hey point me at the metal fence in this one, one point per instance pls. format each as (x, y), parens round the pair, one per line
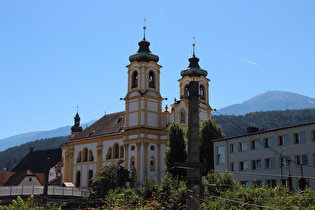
(37, 190)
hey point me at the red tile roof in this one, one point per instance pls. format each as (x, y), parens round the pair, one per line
(107, 125)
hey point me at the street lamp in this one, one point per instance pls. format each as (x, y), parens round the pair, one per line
(287, 147)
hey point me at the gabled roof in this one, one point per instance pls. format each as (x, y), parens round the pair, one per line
(107, 125)
(18, 177)
(36, 160)
(4, 176)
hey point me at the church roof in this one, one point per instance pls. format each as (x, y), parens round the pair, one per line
(107, 125)
(36, 160)
(144, 53)
(193, 69)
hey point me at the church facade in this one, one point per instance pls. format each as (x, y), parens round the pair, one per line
(137, 135)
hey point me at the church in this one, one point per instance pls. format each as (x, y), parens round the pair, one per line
(137, 135)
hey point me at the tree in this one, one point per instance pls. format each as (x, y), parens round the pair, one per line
(208, 132)
(110, 176)
(176, 151)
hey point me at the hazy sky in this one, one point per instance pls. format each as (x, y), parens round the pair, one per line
(57, 54)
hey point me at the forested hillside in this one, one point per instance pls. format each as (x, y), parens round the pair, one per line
(231, 125)
(12, 156)
(235, 125)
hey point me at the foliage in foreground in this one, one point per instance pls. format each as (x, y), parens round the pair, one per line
(221, 191)
(31, 203)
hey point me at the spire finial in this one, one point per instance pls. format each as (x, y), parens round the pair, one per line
(194, 46)
(144, 27)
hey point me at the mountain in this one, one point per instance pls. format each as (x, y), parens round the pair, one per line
(36, 135)
(270, 101)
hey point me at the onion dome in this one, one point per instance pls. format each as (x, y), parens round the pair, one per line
(193, 69)
(144, 53)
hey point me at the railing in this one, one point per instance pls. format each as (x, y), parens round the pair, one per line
(37, 190)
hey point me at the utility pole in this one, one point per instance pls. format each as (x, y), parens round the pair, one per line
(193, 173)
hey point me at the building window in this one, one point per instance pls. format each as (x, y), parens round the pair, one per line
(285, 161)
(29, 179)
(257, 183)
(116, 151)
(221, 155)
(79, 157)
(245, 183)
(202, 92)
(132, 163)
(85, 154)
(256, 164)
(313, 159)
(243, 166)
(301, 160)
(91, 157)
(269, 142)
(232, 148)
(132, 148)
(284, 140)
(271, 182)
(152, 148)
(186, 90)
(121, 151)
(182, 117)
(78, 179)
(152, 163)
(243, 146)
(270, 163)
(256, 144)
(90, 176)
(151, 80)
(313, 135)
(233, 167)
(109, 153)
(299, 138)
(134, 79)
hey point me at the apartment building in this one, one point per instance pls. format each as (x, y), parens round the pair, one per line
(268, 156)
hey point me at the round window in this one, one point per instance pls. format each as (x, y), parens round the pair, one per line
(132, 148)
(152, 148)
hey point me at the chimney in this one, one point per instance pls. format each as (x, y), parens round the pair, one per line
(31, 148)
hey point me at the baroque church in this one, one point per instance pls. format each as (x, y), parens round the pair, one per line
(137, 135)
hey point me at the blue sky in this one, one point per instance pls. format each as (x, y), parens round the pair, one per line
(57, 54)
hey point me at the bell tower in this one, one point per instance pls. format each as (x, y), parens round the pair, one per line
(76, 128)
(194, 73)
(143, 100)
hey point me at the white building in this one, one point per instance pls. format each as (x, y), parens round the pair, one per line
(258, 155)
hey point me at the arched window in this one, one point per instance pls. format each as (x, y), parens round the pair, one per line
(186, 90)
(116, 150)
(90, 176)
(78, 179)
(91, 157)
(79, 157)
(85, 154)
(109, 153)
(151, 80)
(152, 163)
(202, 92)
(182, 116)
(121, 151)
(134, 79)
(132, 163)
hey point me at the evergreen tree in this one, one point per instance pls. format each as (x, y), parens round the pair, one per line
(176, 151)
(110, 177)
(208, 132)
